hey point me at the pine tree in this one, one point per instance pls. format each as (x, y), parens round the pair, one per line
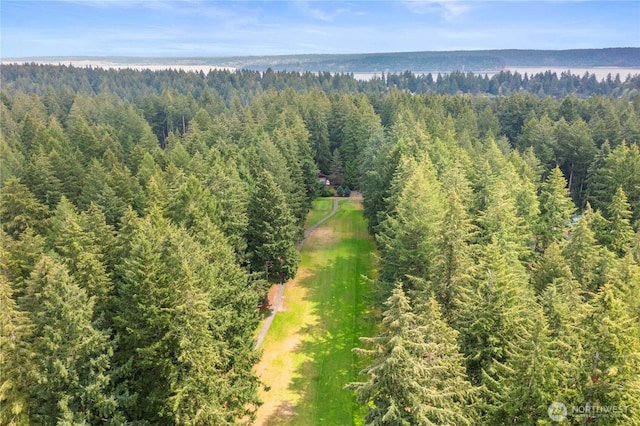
(575, 152)
(500, 219)
(551, 266)
(627, 283)
(42, 181)
(620, 168)
(271, 235)
(565, 311)
(417, 375)
(336, 168)
(19, 209)
(16, 366)
(520, 389)
(81, 254)
(620, 232)
(453, 254)
(20, 257)
(176, 325)
(407, 237)
(491, 309)
(612, 360)
(72, 357)
(556, 209)
(317, 109)
(589, 262)
(232, 194)
(190, 202)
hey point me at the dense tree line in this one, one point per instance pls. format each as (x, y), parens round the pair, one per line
(143, 215)
(222, 86)
(132, 270)
(509, 264)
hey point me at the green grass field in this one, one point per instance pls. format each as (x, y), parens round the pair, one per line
(320, 208)
(307, 356)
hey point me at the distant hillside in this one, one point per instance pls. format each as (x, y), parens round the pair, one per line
(476, 61)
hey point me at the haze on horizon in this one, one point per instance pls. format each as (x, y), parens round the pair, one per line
(225, 28)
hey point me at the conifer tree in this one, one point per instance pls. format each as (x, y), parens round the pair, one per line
(177, 333)
(19, 209)
(521, 387)
(271, 235)
(453, 254)
(416, 376)
(627, 283)
(317, 109)
(16, 367)
(500, 219)
(232, 195)
(620, 168)
(72, 358)
(491, 309)
(556, 209)
(565, 311)
(101, 234)
(407, 237)
(620, 232)
(336, 168)
(42, 181)
(82, 255)
(551, 266)
(589, 262)
(612, 360)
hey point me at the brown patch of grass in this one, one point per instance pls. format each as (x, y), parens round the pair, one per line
(323, 236)
(358, 199)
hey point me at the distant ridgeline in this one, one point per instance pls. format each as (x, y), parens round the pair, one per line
(226, 83)
(473, 60)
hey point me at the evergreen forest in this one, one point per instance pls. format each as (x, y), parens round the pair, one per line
(144, 215)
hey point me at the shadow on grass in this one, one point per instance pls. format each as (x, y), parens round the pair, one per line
(338, 293)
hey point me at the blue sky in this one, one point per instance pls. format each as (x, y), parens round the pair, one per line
(214, 28)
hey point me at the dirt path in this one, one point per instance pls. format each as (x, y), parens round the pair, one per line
(277, 302)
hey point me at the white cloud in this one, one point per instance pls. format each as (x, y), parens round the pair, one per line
(305, 7)
(448, 9)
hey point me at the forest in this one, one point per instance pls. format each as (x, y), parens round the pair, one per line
(144, 215)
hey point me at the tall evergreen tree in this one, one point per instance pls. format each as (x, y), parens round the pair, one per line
(556, 209)
(620, 232)
(72, 358)
(453, 254)
(176, 331)
(520, 390)
(407, 237)
(336, 168)
(19, 209)
(491, 309)
(612, 360)
(551, 266)
(589, 262)
(16, 356)
(416, 376)
(271, 235)
(565, 311)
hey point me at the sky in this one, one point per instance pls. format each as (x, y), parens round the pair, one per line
(225, 28)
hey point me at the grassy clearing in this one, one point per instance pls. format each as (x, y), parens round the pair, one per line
(307, 356)
(320, 208)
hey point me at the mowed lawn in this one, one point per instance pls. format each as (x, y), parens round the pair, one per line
(320, 208)
(307, 356)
